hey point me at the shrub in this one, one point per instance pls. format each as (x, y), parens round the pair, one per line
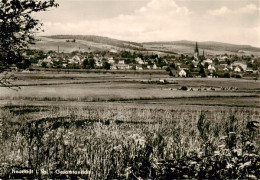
(184, 88)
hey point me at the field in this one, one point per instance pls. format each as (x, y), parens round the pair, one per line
(93, 43)
(129, 126)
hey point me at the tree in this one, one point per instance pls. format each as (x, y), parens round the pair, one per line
(127, 61)
(228, 62)
(170, 74)
(106, 66)
(201, 71)
(44, 65)
(216, 61)
(92, 63)
(191, 67)
(226, 75)
(85, 63)
(206, 65)
(24, 64)
(17, 29)
(172, 65)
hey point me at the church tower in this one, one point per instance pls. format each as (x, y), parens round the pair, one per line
(196, 52)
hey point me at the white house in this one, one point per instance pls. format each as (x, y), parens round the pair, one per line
(223, 58)
(182, 73)
(209, 61)
(139, 67)
(75, 60)
(121, 62)
(139, 60)
(111, 60)
(226, 69)
(99, 63)
(120, 67)
(211, 68)
(47, 60)
(242, 64)
(113, 51)
(113, 67)
(155, 66)
(237, 69)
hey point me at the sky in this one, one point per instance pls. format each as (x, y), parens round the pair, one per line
(230, 21)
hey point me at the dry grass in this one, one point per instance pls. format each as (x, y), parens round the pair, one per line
(125, 142)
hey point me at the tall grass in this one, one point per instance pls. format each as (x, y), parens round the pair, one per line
(131, 143)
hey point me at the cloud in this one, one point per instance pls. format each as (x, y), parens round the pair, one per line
(217, 12)
(157, 19)
(248, 9)
(166, 20)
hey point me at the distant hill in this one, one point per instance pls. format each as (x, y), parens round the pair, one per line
(98, 39)
(65, 43)
(209, 46)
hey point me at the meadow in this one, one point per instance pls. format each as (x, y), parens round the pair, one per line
(111, 126)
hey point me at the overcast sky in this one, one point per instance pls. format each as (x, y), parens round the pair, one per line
(231, 21)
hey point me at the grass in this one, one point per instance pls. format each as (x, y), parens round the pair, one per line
(116, 142)
(123, 129)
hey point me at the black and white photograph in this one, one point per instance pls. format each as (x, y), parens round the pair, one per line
(129, 89)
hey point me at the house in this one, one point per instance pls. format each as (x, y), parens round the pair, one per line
(226, 69)
(13, 68)
(242, 64)
(155, 66)
(223, 58)
(178, 65)
(113, 51)
(120, 67)
(237, 69)
(182, 73)
(113, 67)
(139, 67)
(211, 68)
(121, 62)
(195, 63)
(164, 67)
(139, 60)
(47, 60)
(111, 60)
(209, 61)
(249, 70)
(75, 60)
(99, 63)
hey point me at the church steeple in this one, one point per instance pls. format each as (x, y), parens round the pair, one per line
(196, 52)
(197, 48)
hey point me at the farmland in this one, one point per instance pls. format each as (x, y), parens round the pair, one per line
(90, 43)
(129, 126)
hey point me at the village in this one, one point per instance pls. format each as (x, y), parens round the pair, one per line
(177, 65)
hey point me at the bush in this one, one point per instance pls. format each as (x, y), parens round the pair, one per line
(238, 76)
(226, 75)
(184, 88)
